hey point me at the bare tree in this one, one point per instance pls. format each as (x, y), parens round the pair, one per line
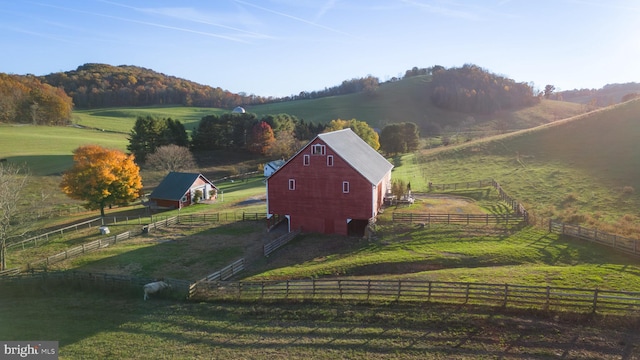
(171, 158)
(13, 180)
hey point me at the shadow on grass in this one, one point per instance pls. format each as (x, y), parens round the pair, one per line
(90, 324)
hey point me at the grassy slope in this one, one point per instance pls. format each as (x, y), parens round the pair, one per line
(123, 119)
(585, 169)
(48, 150)
(405, 100)
(408, 100)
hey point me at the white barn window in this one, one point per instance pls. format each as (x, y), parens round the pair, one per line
(306, 160)
(317, 149)
(292, 184)
(345, 187)
(330, 160)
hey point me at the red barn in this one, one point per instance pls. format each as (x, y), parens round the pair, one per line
(178, 190)
(334, 185)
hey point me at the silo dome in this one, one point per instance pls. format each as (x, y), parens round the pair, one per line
(238, 110)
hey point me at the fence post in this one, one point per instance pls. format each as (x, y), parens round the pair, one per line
(595, 300)
(466, 297)
(548, 297)
(287, 290)
(368, 288)
(262, 290)
(340, 288)
(399, 289)
(313, 285)
(506, 295)
(429, 293)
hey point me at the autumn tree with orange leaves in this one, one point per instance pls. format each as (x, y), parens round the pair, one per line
(102, 177)
(262, 138)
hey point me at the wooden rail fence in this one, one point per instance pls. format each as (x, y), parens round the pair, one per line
(279, 242)
(502, 295)
(617, 242)
(223, 274)
(464, 219)
(97, 244)
(43, 238)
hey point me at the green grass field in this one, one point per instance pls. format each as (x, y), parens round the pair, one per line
(108, 325)
(584, 170)
(49, 150)
(408, 101)
(123, 119)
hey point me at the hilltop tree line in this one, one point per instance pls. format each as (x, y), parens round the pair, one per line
(368, 84)
(472, 89)
(26, 100)
(101, 85)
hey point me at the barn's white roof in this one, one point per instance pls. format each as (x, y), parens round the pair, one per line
(360, 155)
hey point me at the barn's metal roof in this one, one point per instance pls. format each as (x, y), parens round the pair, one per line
(360, 155)
(175, 185)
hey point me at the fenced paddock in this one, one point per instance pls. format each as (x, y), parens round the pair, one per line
(497, 295)
(97, 244)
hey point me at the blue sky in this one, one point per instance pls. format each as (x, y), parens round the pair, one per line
(283, 47)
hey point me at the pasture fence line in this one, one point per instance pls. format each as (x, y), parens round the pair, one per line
(221, 217)
(427, 219)
(38, 240)
(627, 245)
(620, 243)
(97, 245)
(516, 206)
(223, 274)
(279, 242)
(496, 295)
(43, 238)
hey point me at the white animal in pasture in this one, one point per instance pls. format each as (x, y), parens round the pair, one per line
(154, 287)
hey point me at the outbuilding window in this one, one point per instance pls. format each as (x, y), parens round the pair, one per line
(306, 160)
(330, 160)
(292, 184)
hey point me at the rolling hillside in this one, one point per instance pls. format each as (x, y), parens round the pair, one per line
(400, 101)
(584, 169)
(409, 100)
